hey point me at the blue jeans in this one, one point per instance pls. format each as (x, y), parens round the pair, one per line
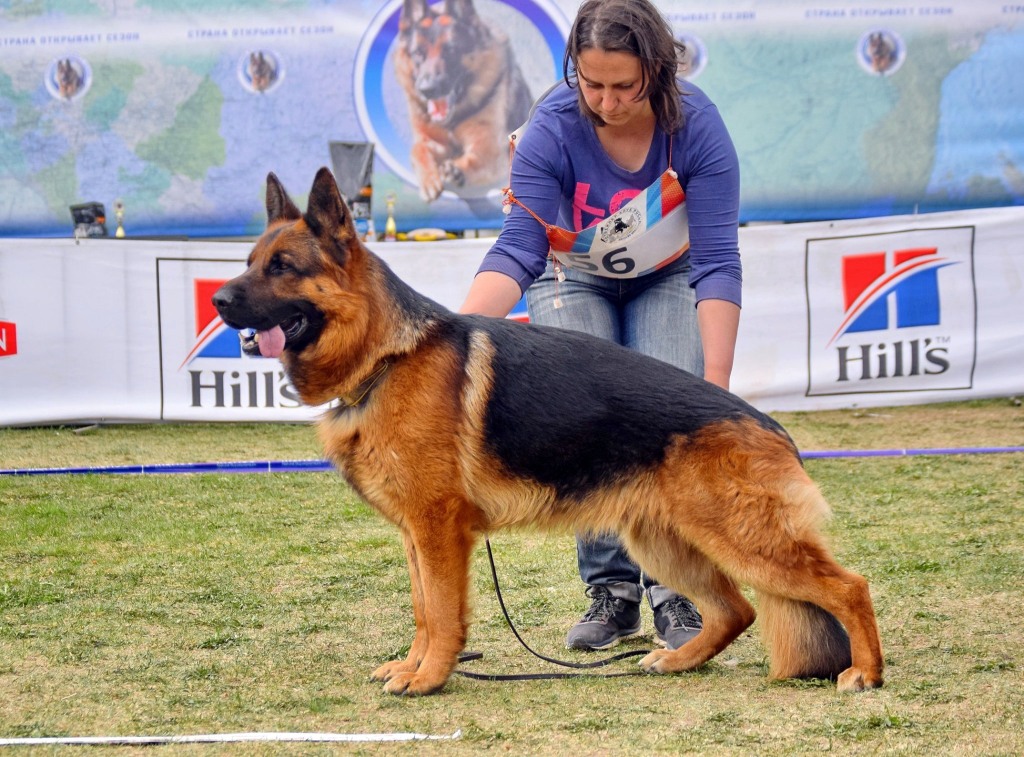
(655, 314)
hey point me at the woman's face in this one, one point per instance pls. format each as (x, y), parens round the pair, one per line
(610, 82)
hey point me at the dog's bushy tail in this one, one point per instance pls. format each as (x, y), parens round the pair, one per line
(803, 640)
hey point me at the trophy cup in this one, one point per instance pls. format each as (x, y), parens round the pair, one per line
(390, 227)
(119, 214)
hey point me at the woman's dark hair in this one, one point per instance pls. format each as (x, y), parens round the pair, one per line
(638, 28)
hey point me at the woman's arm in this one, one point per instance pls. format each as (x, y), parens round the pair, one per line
(718, 321)
(492, 293)
(712, 200)
(520, 251)
(712, 204)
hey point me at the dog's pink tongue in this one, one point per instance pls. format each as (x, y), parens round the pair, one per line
(271, 342)
(438, 109)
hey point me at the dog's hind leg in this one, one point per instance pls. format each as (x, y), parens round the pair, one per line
(776, 548)
(821, 581)
(442, 542)
(724, 610)
(419, 643)
(763, 529)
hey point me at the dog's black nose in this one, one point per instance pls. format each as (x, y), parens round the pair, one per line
(224, 298)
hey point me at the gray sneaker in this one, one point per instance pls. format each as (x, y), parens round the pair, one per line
(676, 621)
(609, 618)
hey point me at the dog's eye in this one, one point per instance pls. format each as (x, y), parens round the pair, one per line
(278, 265)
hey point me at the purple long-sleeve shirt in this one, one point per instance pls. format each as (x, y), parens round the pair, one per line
(561, 172)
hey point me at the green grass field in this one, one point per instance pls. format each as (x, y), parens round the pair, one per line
(220, 603)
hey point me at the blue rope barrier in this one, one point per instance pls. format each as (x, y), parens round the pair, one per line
(318, 466)
(825, 454)
(256, 466)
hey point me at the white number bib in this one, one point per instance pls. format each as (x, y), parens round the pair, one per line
(645, 234)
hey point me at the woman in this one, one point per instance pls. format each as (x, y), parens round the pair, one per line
(620, 125)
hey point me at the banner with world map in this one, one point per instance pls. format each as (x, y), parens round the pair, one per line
(177, 109)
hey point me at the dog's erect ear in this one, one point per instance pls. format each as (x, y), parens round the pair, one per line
(461, 9)
(279, 205)
(326, 213)
(413, 11)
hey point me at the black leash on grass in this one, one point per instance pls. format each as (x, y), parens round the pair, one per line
(468, 656)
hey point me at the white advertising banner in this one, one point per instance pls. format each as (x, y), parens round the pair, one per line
(882, 311)
(119, 330)
(871, 312)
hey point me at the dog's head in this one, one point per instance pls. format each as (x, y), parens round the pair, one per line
(302, 284)
(437, 42)
(261, 72)
(68, 78)
(881, 51)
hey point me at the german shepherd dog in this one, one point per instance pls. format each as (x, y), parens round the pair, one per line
(69, 79)
(881, 51)
(262, 72)
(465, 93)
(452, 426)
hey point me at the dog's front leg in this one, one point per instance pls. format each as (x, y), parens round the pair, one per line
(482, 156)
(419, 643)
(428, 155)
(441, 544)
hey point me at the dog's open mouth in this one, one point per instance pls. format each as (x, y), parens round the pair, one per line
(271, 342)
(438, 109)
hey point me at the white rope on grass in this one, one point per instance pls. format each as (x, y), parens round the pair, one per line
(221, 738)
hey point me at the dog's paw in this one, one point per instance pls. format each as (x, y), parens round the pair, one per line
(429, 170)
(389, 670)
(853, 680)
(652, 663)
(431, 187)
(664, 661)
(453, 175)
(412, 685)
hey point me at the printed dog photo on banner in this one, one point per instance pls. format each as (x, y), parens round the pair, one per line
(443, 85)
(68, 78)
(260, 71)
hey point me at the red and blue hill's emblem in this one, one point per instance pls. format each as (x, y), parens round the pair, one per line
(213, 337)
(883, 317)
(868, 283)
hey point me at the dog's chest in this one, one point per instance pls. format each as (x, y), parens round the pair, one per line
(371, 459)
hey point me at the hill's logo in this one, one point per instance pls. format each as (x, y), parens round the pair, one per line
(912, 282)
(891, 312)
(220, 375)
(204, 373)
(213, 337)
(8, 339)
